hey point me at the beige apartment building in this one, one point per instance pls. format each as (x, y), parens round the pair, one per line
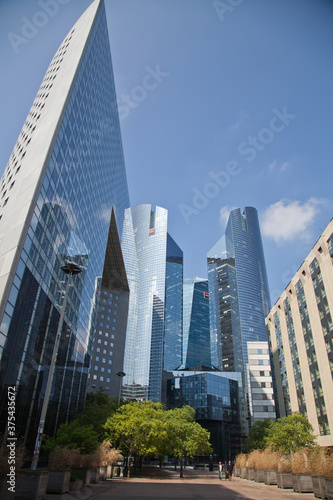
(300, 333)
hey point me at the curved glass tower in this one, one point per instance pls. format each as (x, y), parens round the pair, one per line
(154, 332)
(239, 294)
(65, 174)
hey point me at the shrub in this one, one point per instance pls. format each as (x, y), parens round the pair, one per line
(300, 462)
(321, 462)
(63, 457)
(269, 459)
(241, 460)
(284, 464)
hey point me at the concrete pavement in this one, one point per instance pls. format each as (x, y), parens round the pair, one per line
(195, 485)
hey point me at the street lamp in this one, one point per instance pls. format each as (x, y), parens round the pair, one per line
(70, 269)
(120, 375)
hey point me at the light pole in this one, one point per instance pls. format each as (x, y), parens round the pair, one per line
(70, 269)
(120, 375)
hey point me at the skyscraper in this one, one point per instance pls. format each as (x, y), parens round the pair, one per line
(238, 290)
(196, 329)
(154, 334)
(65, 174)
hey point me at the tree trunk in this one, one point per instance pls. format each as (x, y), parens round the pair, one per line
(181, 467)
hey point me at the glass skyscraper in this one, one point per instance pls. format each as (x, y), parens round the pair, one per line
(65, 174)
(196, 328)
(238, 290)
(154, 265)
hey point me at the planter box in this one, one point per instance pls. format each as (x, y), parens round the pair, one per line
(243, 473)
(251, 474)
(102, 473)
(94, 476)
(237, 471)
(329, 487)
(319, 487)
(260, 476)
(58, 481)
(302, 483)
(284, 480)
(5, 494)
(75, 485)
(84, 474)
(108, 471)
(270, 477)
(31, 484)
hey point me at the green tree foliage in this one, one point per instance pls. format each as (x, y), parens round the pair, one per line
(145, 428)
(98, 408)
(257, 439)
(185, 436)
(86, 431)
(136, 428)
(74, 436)
(291, 433)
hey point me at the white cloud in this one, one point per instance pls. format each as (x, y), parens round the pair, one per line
(224, 215)
(276, 166)
(287, 220)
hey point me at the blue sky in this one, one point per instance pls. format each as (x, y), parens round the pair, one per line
(223, 104)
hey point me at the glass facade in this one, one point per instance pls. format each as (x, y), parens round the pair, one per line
(84, 176)
(196, 327)
(217, 399)
(157, 271)
(238, 288)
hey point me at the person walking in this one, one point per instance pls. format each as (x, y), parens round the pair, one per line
(220, 470)
(229, 470)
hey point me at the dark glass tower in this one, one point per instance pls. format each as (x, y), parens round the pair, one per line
(196, 330)
(238, 286)
(65, 174)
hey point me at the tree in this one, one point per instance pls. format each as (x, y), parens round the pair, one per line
(291, 433)
(83, 438)
(257, 438)
(185, 436)
(98, 408)
(136, 428)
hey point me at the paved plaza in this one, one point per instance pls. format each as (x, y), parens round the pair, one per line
(195, 485)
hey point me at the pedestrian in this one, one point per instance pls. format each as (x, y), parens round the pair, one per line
(229, 470)
(220, 470)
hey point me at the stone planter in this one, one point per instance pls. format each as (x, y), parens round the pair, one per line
(5, 493)
(237, 471)
(260, 476)
(58, 481)
(31, 484)
(329, 487)
(75, 485)
(319, 487)
(302, 483)
(108, 471)
(270, 477)
(284, 480)
(243, 473)
(102, 473)
(94, 476)
(251, 474)
(83, 474)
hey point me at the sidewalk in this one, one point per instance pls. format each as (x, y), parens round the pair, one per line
(165, 484)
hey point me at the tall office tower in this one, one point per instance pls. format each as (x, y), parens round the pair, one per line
(157, 274)
(63, 177)
(196, 328)
(300, 333)
(238, 290)
(111, 306)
